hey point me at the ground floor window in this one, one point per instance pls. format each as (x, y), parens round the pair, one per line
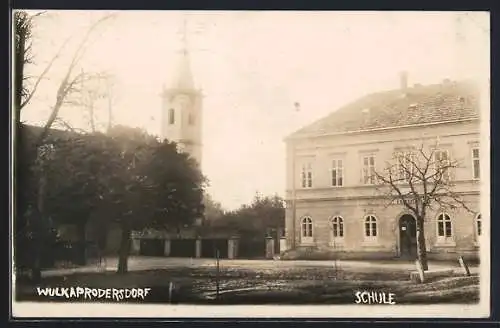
(337, 227)
(444, 228)
(370, 226)
(306, 230)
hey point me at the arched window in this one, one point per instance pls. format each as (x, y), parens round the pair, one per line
(444, 225)
(370, 226)
(337, 227)
(478, 225)
(307, 227)
(171, 116)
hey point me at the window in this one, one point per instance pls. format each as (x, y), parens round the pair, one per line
(171, 116)
(337, 227)
(337, 173)
(306, 175)
(442, 161)
(191, 119)
(307, 227)
(475, 163)
(478, 225)
(307, 230)
(369, 169)
(405, 166)
(370, 226)
(444, 226)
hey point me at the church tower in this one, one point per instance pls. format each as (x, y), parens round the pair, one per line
(181, 119)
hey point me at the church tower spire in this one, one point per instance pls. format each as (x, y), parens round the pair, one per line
(183, 77)
(182, 106)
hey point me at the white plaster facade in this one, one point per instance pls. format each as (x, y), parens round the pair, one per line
(319, 204)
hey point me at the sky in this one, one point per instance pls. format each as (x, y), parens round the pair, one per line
(253, 67)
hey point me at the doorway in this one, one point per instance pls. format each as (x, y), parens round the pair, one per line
(407, 237)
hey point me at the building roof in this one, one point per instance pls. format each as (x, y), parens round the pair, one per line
(420, 104)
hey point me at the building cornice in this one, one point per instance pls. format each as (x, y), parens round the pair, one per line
(293, 137)
(363, 197)
(375, 141)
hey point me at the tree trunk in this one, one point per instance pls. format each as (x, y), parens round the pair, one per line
(421, 248)
(38, 233)
(19, 73)
(82, 245)
(124, 247)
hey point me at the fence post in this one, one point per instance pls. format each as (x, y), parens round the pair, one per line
(420, 270)
(217, 274)
(464, 266)
(170, 291)
(269, 247)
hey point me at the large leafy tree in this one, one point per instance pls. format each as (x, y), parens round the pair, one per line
(128, 176)
(264, 215)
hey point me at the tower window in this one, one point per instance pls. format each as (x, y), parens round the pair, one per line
(171, 116)
(191, 119)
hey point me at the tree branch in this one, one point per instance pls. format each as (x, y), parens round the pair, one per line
(44, 72)
(66, 85)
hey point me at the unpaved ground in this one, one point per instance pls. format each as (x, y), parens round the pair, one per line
(152, 263)
(265, 282)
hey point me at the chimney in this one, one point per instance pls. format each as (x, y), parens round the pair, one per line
(403, 80)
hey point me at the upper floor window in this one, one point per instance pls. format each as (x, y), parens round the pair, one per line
(475, 163)
(306, 175)
(478, 225)
(337, 227)
(442, 163)
(370, 226)
(368, 169)
(405, 163)
(171, 116)
(444, 226)
(337, 173)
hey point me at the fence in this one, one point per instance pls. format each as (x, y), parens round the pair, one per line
(211, 247)
(251, 248)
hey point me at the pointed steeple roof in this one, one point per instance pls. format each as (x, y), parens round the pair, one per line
(183, 76)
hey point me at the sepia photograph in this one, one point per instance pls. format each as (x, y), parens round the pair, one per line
(250, 164)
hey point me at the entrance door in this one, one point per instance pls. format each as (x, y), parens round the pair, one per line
(407, 237)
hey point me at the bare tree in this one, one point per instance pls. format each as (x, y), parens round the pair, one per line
(23, 25)
(68, 86)
(421, 179)
(23, 55)
(71, 82)
(93, 89)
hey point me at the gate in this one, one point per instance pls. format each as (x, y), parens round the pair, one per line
(208, 247)
(183, 248)
(152, 247)
(252, 248)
